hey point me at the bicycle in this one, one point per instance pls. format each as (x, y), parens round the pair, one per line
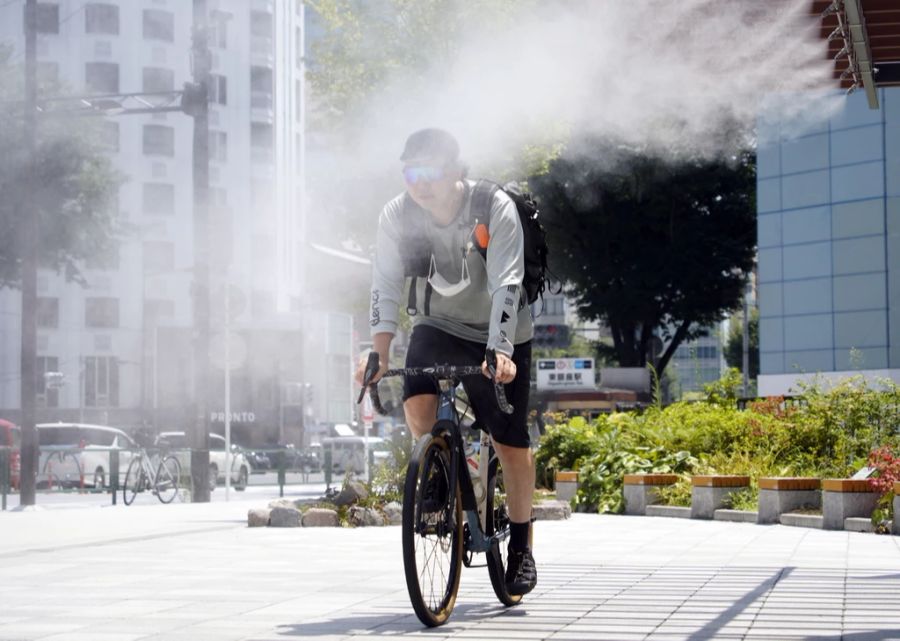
(163, 480)
(436, 543)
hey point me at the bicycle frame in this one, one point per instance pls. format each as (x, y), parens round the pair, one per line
(475, 512)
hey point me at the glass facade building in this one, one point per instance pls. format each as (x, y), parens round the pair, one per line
(828, 205)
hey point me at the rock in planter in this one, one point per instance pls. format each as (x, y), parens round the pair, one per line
(352, 492)
(258, 517)
(551, 511)
(393, 513)
(365, 517)
(284, 517)
(320, 517)
(286, 503)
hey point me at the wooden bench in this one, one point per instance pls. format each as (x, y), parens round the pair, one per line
(846, 498)
(708, 492)
(642, 490)
(780, 494)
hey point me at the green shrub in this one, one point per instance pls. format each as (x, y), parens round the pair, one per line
(564, 446)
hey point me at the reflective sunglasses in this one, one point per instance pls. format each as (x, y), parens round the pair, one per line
(412, 175)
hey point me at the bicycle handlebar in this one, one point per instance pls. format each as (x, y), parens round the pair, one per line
(437, 371)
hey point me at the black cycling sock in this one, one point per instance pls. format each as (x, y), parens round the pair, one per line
(518, 536)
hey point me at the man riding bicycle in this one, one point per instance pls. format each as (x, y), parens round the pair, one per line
(463, 302)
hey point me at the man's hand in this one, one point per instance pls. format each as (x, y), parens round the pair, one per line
(361, 368)
(506, 369)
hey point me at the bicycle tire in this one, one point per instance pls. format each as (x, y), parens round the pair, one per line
(168, 475)
(497, 522)
(134, 481)
(433, 542)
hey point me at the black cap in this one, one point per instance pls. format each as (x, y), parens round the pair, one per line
(431, 143)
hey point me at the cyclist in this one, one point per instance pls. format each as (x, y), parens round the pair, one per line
(462, 304)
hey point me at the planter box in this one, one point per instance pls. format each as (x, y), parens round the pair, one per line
(708, 493)
(895, 527)
(642, 490)
(566, 485)
(845, 498)
(780, 494)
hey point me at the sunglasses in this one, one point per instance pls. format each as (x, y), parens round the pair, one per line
(412, 175)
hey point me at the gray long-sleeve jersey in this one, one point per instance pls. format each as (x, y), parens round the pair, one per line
(488, 309)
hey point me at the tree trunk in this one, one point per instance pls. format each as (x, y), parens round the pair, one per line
(680, 333)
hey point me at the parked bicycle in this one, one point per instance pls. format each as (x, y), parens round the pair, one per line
(158, 473)
(437, 539)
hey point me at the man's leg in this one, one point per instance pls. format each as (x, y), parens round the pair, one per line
(518, 474)
(420, 411)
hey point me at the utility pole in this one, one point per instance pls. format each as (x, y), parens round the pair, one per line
(200, 425)
(28, 382)
(745, 362)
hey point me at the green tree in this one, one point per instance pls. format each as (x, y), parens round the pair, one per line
(734, 345)
(73, 187)
(649, 245)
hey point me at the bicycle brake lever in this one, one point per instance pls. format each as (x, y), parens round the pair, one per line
(490, 357)
(372, 367)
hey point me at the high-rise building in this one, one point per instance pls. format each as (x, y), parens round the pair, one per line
(123, 342)
(829, 244)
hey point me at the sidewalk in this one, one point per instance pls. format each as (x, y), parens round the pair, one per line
(196, 572)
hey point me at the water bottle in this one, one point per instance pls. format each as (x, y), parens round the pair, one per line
(472, 460)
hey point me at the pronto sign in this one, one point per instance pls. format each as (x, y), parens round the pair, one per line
(565, 374)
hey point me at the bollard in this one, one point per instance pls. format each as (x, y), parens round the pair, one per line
(114, 474)
(371, 465)
(4, 476)
(328, 469)
(281, 471)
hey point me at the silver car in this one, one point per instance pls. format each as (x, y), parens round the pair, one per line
(177, 444)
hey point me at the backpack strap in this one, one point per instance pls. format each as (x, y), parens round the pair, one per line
(480, 207)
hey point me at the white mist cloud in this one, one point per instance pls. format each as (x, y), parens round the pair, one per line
(673, 74)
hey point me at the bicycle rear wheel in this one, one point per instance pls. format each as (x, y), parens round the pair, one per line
(134, 480)
(432, 540)
(497, 523)
(167, 476)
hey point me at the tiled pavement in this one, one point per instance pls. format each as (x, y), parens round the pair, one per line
(195, 572)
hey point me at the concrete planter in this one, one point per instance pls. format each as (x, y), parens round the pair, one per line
(708, 493)
(780, 494)
(642, 490)
(895, 526)
(566, 485)
(846, 498)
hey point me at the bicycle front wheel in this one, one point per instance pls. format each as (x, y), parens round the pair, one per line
(134, 480)
(432, 532)
(497, 525)
(167, 476)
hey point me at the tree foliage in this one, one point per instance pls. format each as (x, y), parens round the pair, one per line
(649, 245)
(71, 182)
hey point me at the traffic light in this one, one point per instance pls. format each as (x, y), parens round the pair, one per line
(556, 336)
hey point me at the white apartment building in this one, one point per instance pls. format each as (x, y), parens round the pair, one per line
(123, 344)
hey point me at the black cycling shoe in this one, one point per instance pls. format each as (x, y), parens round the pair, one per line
(521, 573)
(435, 492)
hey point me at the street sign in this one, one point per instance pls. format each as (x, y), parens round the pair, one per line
(368, 410)
(565, 374)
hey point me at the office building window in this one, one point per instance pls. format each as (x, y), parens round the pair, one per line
(218, 146)
(108, 135)
(101, 18)
(157, 79)
(260, 79)
(107, 260)
(218, 29)
(101, 381)
(218, 89)
(47, 312)
(261, 24)
(159, 140)
(159, 199)
(159, 25)
(158, 308)
(101, 312)
(261, 135)
(101, 77)
(159, 256)
(46, 18)
(47, 395)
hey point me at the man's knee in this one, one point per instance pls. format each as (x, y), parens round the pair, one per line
(420, 411)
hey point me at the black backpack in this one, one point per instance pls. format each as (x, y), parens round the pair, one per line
(416, 251)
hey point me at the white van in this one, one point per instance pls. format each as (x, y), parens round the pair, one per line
(348, 452)
(78, 455)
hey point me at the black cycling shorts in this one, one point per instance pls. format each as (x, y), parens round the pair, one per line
(431, 346)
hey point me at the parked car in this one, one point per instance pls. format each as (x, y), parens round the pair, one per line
(348, 452)
(78, 454)
(11, 437)
(177, 444)
(259, 461)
